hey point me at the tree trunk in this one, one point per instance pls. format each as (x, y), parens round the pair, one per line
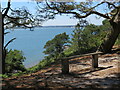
(2, 37)
(1, 45)
(107, 45)
(3, 51)
(2, 54)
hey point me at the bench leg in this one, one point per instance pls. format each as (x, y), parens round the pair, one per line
(65, 66)
(94, 61)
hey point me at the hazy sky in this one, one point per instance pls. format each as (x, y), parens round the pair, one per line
(60, 20)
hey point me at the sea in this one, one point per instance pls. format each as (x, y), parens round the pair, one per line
(31, 42)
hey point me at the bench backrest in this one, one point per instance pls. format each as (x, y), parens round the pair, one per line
(76, 56)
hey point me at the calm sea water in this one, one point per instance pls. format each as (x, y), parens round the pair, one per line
(32, 42)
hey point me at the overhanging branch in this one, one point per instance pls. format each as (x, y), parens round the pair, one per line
(7, 9)
(77, 15)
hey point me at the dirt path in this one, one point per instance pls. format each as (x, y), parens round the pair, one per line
(81, 75)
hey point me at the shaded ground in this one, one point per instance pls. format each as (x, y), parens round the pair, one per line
(81, 75)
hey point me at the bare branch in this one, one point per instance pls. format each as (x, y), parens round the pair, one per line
(7, 23)
(9, 43)
(6, 33)
(3, 9)
(7, 9)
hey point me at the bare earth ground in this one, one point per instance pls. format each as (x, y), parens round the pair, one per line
(81, 75)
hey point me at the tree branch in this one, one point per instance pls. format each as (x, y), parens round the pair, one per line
(77, 14)
(14, 17)
(6, 33)
(9, 43)
(111, 4)
(100, 14)
(7, 9)
(93, 7)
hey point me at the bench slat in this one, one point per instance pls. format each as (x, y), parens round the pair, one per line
(76, 56)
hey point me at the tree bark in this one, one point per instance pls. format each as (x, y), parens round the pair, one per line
(2, 38)
(107, 45)
(1, 45)
(3, 51)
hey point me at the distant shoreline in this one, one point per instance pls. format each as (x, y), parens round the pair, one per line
(46, 26)
(60, 26)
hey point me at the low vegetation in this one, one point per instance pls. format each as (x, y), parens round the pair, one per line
(14, 61)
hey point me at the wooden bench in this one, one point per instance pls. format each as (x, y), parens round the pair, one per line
(65, 61)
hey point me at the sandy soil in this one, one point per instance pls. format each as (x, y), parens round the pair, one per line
(80, 76)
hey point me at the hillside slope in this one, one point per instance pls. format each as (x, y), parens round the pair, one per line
(81, 75)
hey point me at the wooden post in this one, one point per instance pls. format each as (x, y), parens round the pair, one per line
(94, 61)
(65, 66)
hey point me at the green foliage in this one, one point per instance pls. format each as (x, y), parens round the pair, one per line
(91, 36)
(46, 62)
(76, 40)
(69, 52)
(55, 46)
(88, 38)
(3, 75)
(14, 61)
(7, 75)
(18, 73)
(84, 40)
